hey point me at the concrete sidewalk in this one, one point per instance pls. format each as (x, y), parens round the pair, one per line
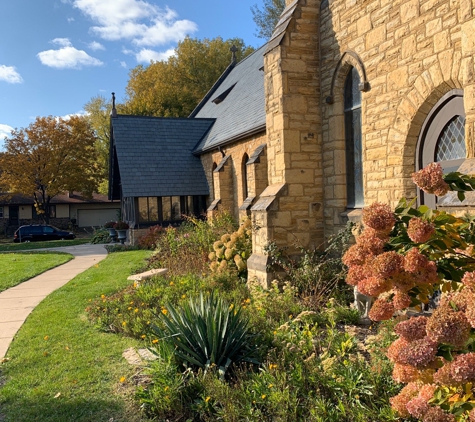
(17, 303)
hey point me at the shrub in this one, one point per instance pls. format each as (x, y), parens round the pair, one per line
(208, 332)
(121, 225)
(100, 236)
(150, 239)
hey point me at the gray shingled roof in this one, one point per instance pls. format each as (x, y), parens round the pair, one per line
(154, 155)
(243, 110)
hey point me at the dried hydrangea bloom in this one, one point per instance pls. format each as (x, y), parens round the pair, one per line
(427, 391)
(430, 179)
(420, 231)
(448, 326)
(412, 329)
(459, 301)
(356, 273)
(374, 286)
(355, 255)
(407, 373)
(443, 376)
(470, 315)
(395, 349)
(403, 281)
(417, 407)
(381, 310)
(414, 261)
(388, 264)
(436, 414)
(399, 402)
(401, 300)
(379, 217)
(371, 241)
(471, 415)
(418, 353)
(469, 279)
(462, 368)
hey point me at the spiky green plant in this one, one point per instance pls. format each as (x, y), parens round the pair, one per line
(207, 331)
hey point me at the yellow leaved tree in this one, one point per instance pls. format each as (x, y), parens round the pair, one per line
(51, 156)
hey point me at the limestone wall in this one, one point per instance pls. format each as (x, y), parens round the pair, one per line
(228, 183)
(413, 51)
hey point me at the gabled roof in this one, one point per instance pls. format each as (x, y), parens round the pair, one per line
(154, 155)
(239, 109)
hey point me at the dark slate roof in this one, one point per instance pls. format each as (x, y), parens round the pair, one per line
(242, 111)
(154, 155)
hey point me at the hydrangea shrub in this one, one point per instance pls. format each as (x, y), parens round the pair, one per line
(402, 258)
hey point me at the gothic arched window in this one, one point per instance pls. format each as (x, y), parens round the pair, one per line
(442, 138)
(353, 141)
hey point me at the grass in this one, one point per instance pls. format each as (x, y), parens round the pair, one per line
(26, 246)
(18, 267)
(61, 368)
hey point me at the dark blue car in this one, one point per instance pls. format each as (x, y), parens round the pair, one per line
(36, 233)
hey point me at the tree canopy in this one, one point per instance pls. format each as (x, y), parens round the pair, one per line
(49, 157)
(266, 18)
(98, 111)
(173, 87)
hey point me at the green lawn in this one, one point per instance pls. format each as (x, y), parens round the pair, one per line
(18, 267)
(26, 246)
(61, 368)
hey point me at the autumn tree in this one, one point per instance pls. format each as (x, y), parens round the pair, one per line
(98, 111)
(49, 157)
(266, 18)
(173, 87)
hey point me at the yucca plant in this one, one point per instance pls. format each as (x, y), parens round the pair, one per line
(207, 331)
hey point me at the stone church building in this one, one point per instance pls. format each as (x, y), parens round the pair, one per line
(344, 102)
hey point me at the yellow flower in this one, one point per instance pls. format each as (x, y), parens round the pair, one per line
(207, 399)
(103, 296)
(129, 308)
(172, 283)
(122, 379)
(143, 336)
(248, 300)
(183, 296)
(136, 310)
(46, 337)
(271, 385)
(155, 341)
(166, 388)
(263, 396)
(123, 323)
(164, 311)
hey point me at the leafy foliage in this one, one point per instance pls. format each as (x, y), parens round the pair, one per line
(100, 236)
(266, 18)
(208, 332)
(173, 87)
(49, 157)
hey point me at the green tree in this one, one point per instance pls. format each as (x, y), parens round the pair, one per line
(49, 157)
(173, 87)
(266, 18)
(98, 111)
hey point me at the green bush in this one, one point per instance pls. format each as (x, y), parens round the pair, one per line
(100, 236)
(208, 332)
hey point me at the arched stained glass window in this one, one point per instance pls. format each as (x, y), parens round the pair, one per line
(451, 142)
(353, 141)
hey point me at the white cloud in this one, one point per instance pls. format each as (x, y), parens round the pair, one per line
(96, 46)
(5, 131)
(63, 42)
(10, 75)
(68, 116)
(123, 64)
(135, 20)
(70, 20)
(146, 55)
(67, 57)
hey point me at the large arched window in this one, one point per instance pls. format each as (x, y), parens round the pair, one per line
(354, 149)
(442, 138)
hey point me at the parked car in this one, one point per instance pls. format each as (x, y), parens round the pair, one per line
(36, 233)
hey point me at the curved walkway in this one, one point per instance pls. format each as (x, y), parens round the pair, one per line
(17, 302)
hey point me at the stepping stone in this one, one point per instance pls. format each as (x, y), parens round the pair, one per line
(147, 274)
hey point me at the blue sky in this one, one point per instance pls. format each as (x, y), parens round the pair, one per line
(55, 55)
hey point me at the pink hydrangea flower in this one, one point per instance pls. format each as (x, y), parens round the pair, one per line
(430, 179)
(418, 353)
(420, 231)
(462, 368)
(469, 279)
(436, 414)
(412, 329)
(399, 402)
(381, 310)
(388, 264)
(374, 286)
(401, 300)
(379, 217)
(449, 327)
(417, 407)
